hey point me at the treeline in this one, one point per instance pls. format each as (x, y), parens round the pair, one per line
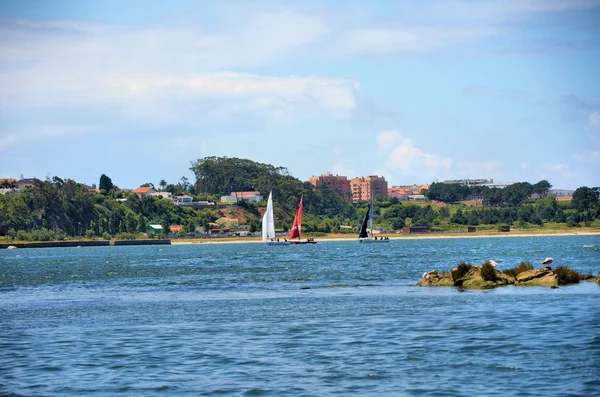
(53, 209)
(512, 195)
(57, 208)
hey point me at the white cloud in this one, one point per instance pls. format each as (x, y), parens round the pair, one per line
(403, 159)
(594, 121)
(405, 39)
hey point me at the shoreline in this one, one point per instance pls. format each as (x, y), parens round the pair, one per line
(257, 240)
(323, 239)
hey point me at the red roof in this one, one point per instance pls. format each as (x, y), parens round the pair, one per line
(143, 190)
(175, 228)
(245, 195)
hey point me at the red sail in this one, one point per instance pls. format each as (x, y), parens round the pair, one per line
(295, 232)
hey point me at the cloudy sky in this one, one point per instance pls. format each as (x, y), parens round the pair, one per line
(411, 90)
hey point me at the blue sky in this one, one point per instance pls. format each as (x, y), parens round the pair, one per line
(416, 91)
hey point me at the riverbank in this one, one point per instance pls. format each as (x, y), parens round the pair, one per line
(433, 235)
(330, 237)
(77, 243)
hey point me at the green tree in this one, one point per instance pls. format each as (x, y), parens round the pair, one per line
(585, 198)
(105, 184)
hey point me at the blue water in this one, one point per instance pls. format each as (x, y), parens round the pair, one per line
(331, 319)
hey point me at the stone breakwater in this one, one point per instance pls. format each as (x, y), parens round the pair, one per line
(480, 277)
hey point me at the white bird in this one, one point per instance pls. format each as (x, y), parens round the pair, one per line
(547, 261)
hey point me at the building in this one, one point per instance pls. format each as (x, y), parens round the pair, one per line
(7, 185)
(156, 229)
(144, 191)
(470, 182)
(339, 184)
(162, 195)
(184, 199)
(405, 192)
(364, 188)
(249, 197)
(479, 182)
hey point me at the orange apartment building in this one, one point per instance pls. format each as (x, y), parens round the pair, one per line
(364, 188)
(339, 184)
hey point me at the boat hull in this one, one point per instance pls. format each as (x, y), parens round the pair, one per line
(277, 243)
(302, 242)
(370, 240)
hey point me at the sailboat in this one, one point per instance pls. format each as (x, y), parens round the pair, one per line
(268, 225)
(296, 232)
(363, 236)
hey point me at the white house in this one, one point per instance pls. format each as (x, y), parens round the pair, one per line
(165, 195)
(236, 197)
(185, 199)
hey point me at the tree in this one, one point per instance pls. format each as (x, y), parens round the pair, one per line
(541, 188)
(585, 198)
(105, 185)
(162, 184)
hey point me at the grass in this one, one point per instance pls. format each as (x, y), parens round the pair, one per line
(564, 275)
(515, 271)
(487, 272)
(460, 271)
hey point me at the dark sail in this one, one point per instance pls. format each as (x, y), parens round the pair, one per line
(363, 227)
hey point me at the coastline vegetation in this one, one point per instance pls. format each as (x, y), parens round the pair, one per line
(57, 209)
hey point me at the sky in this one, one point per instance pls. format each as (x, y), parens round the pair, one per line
(415, 91)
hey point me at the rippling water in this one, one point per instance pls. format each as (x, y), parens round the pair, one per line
(332, 319)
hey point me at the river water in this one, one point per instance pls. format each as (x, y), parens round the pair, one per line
(331, 319)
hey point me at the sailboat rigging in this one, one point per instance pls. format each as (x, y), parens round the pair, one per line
(268, 225)
(296, 231)
(363, 235)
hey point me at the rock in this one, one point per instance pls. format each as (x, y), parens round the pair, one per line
(11, 247)
(543, 277)
(433, 278)
(531, 274)
(473, 279)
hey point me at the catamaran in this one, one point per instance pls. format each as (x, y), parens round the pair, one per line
(363, 236)
(268, 225)
(296, 232)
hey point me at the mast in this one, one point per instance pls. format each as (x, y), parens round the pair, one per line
(371, 217)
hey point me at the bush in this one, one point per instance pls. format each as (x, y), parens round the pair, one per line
(106, 236)
(487, 272)
(460, 271)
(126, 236)
(564, 275)
(523, 267)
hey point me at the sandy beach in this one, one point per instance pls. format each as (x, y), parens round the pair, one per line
(443, 235)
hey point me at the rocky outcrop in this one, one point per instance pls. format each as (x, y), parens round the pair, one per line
(433, 278)
(543, 277)
(490, 278)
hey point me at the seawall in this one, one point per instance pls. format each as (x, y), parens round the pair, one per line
(102, 243)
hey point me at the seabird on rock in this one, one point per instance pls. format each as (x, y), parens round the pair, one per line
(547, 261)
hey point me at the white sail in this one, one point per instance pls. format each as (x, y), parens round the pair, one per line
(268, 221)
